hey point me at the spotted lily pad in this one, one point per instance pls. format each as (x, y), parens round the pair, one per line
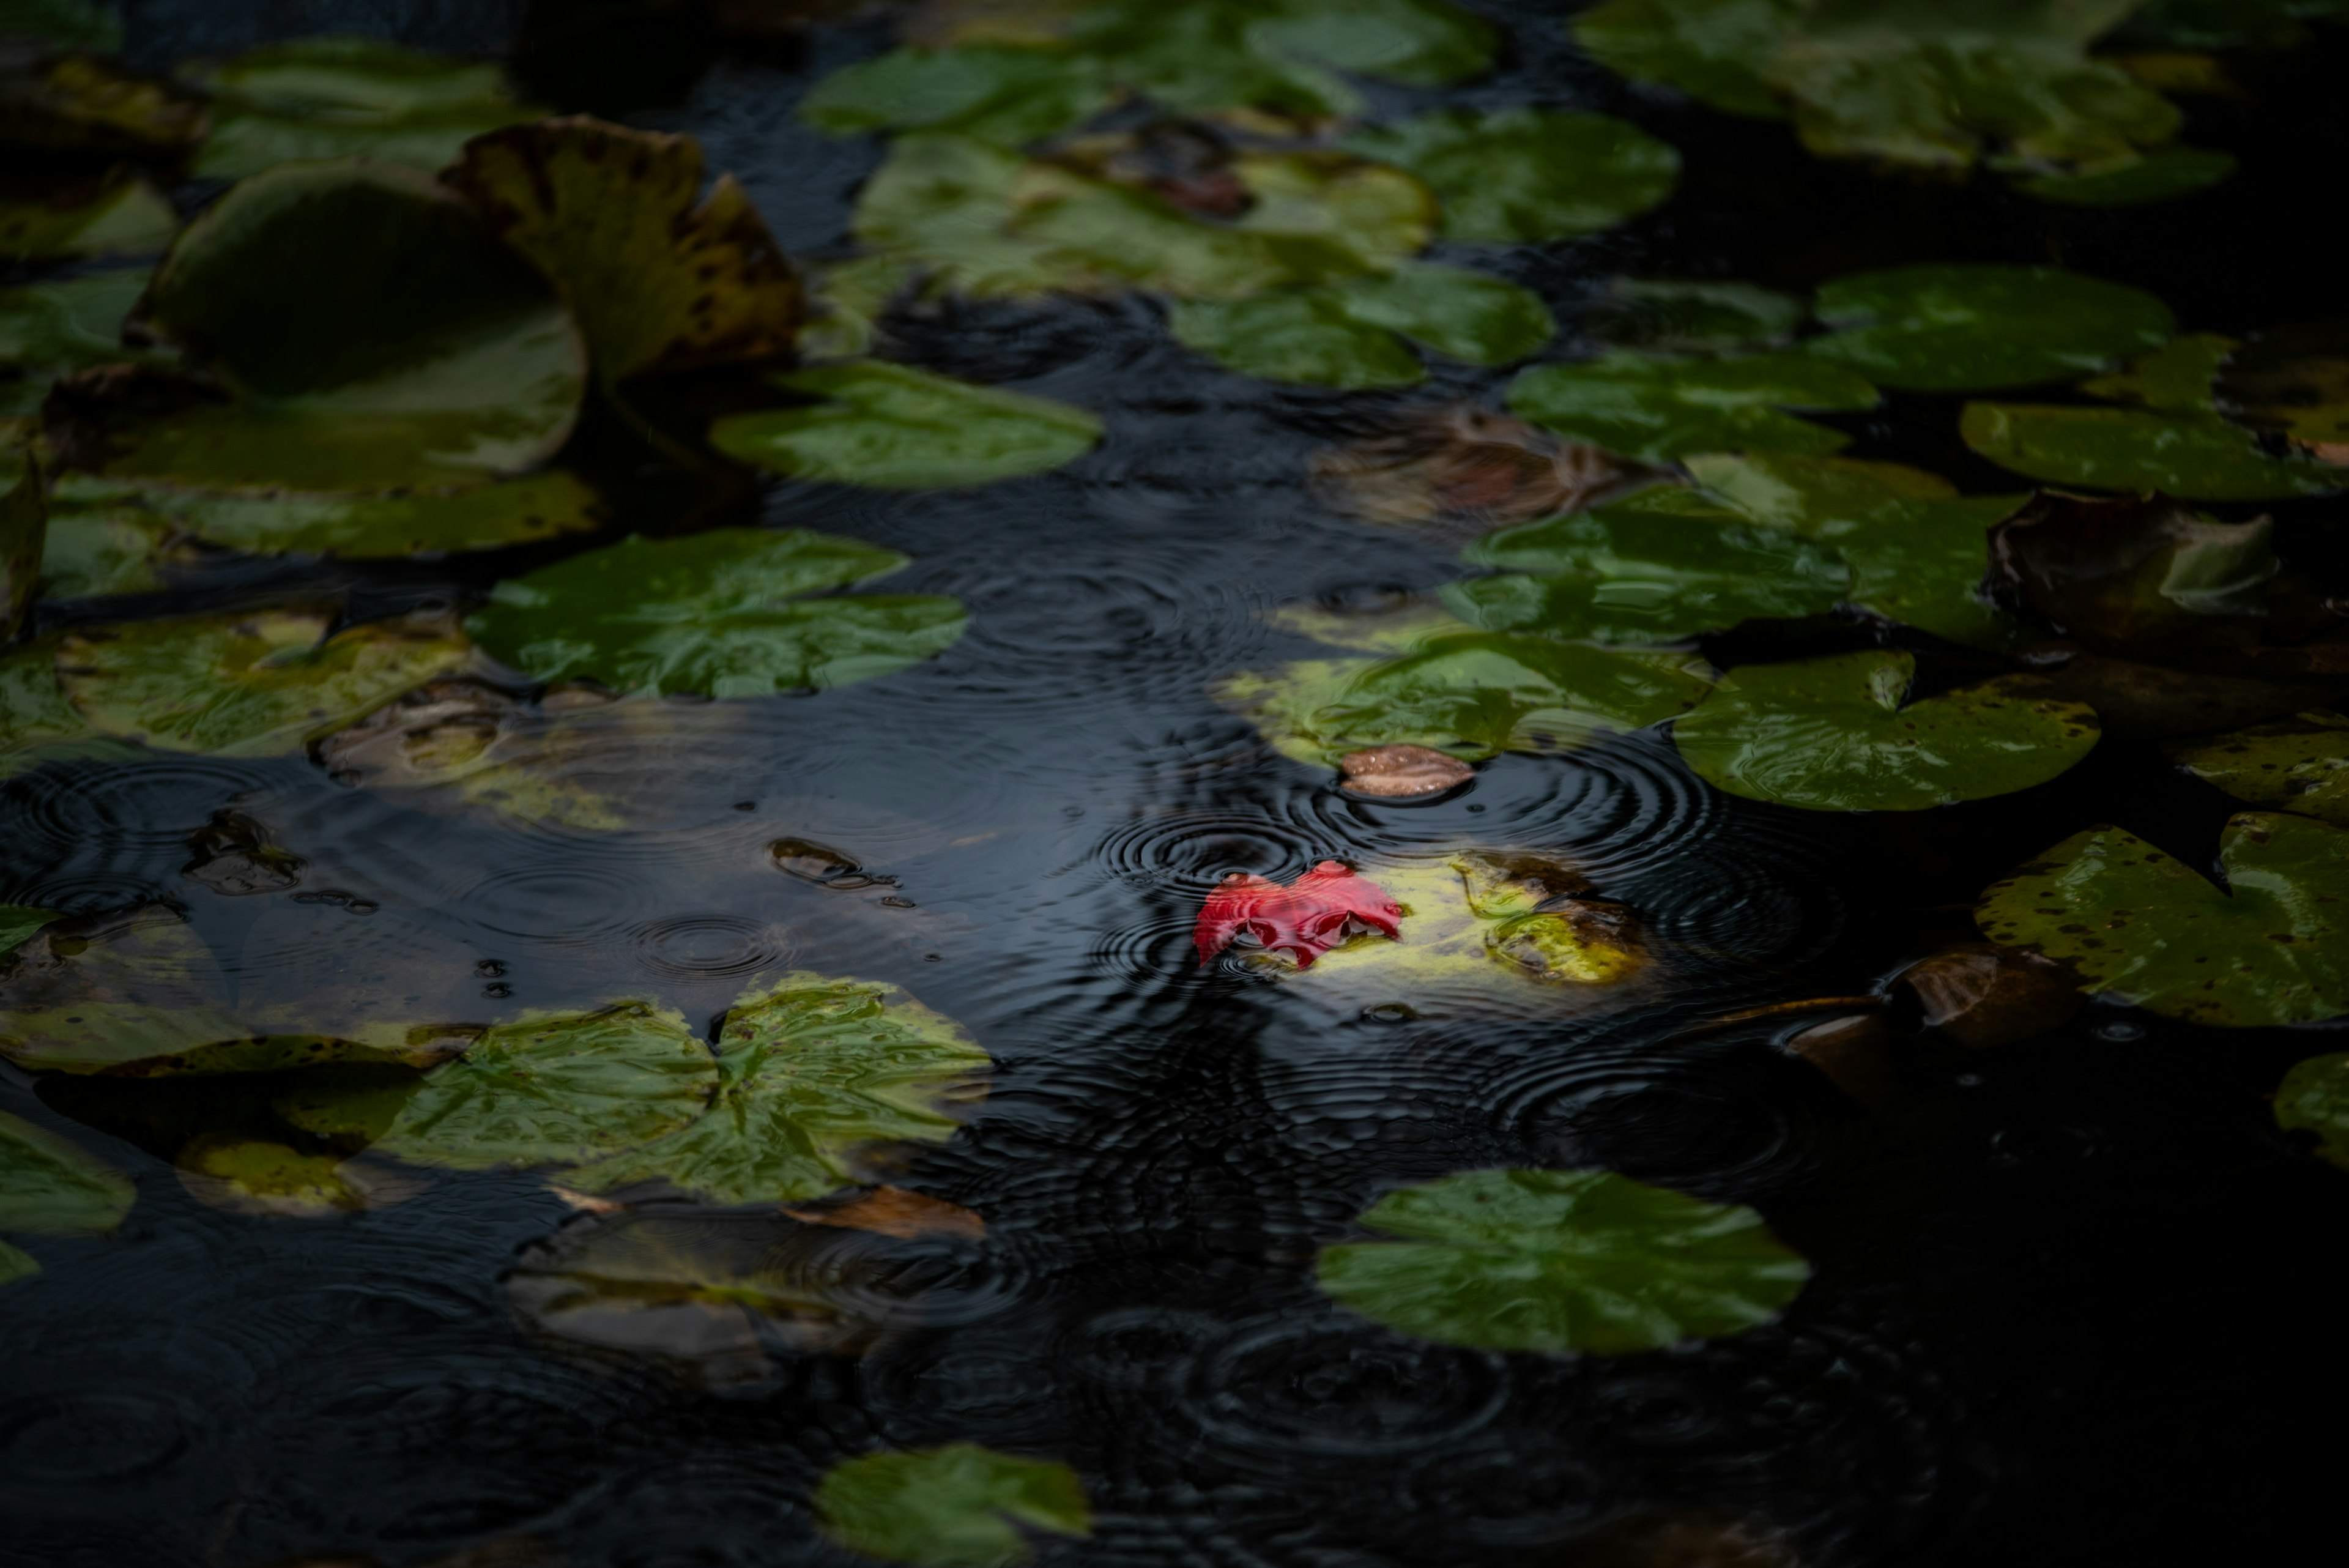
(122, 215)
(960, 1506)
(526, 511)
(1971, 326)
(344, 96)
(1834, 734)
(50, 1186)
(1008, 96)
(2314, 1098)
(48, 330)
(717, 613)
(812, 1070)
(1528, 174)
(1473, 695)
(1345, 335)
(2199, 457)
(659, 276)
(2155, 932)
(896, 428)
(1562, 1261)
(1660, 409)
(2299, 765)
(259, 685)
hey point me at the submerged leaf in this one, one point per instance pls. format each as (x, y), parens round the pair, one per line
(2153, 931)
(895, 427)
(1303, 920)
(2199, 456)
(16, 1265)
(1528, 174)
(1835, 735)
(715, 613)
(256, 1176)
(1983, 997)
(1972, 326)
(84, 994)
(2299, 765)
(1657, 409)
(341, 97)
(1465, 470)
(105, 539)
(50, 1186)
(1562, 1261)
(2174, 378)
(960, 1506)
(1671, 315)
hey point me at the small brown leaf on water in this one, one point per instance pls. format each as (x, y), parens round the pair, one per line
(1982, 997)
(895, 1211)
(1403, 773)
(2138, 573)
(1460, 473)
(1853, 1052)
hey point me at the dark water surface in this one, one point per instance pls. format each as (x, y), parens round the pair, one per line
(2070, 1300)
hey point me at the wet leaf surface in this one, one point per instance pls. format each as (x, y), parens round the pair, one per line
(1562, 1261)
(1710, 49)
(86, 104)
(1977, 327)
(897, 428)
(252, 1176)
(2164, 174)
(48, 330)
(1983, 997)
(960, 1506)
(49, 1186)
(36, 723)
(122, 215)
(348, 97)
(2141, 577)
(1657, 409)
(717, 613)
(1401, 773)
(1301, 920)
(1675, 316)
(2199, 456)
(2315, 1098)
(1527, 173)
(527, 511)
(2149, 930)
(2174, 378)
(93, 991)
(1837, 734)
(1343, 335)
(2299, 765)
(105, 539)
(20, 921)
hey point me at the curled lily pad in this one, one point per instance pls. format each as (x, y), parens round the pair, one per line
(2314, 1098)
(1341, 336)
(1834, 734)
(120, 215)
(1009, 96)
(2164, 174)
(895, 427)
(715, 613)
(1562, 1261)
(49, 330)
(50, 1186)
(19, 922)
(812, 1070)
(1972, 326)
(344, 97)
(2199, 456)
(2155, 932)
(1710, 49)
(960, 1506)
(659, 276)
(1657, 409)
(259, 685)
(2299, 765)
(1473, 695)
(1528, 174)
(1670, 315)
(526, 511)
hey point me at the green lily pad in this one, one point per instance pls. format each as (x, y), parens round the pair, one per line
(372, 337)
(2314, 1098)
(2299, 765)
(812, 1071)
(2196, 457)
(2293, 383)
(1398, 626)
(1834, 734)
(659, 276)
(24, 538)
(1630, 574)
(340, 98)
(1473, 695)
(103, 538)
(715, 613)
(526, 511)
(556, 1089)
(2163, 175)
(2153, 931)
(960, 1506)
(1343, 335)
(49, 330)
(50, 1186)
(16, 1265)
(1562, 1261)
(260, 685)
(260, 1176)
(1712, 50)
(1971, 326)
(1528, 174)
(36, 723)
(2176, 377)
(1671, 315)
(1657, 409)
(1012, 96)
(893, 427)
(120, 216)
(83, 996)
(19, 922)
(62, 23)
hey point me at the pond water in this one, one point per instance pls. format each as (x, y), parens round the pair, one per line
(1077, 1203)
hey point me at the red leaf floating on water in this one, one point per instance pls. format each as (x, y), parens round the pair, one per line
(1305, 919)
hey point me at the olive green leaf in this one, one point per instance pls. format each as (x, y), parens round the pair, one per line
(893, 427)
(2176, 377)
(120, 215)
(87, 105)
(48, 330)
(1710, 49)
(1396, 626)
(104, 538)
(62, 23)
(1528, 174)
(371, 335)
(715, 613)
(341, 97)
(18, 922)
(1673, 316)
(1562, 1261)
(2314, 1098)
(960, 1506)
(526, 511)
(1834, 734)
(1658, 409)
(1638, 574)
(1343, 335)
(812, 1070)
(2299, 765)
(24, 538)
(260, 1176)
(2225, 24)
(49, 1187)
(2196, 457)
(36, 723)
(556, 1088)
(2163, 175)
(2153, 931)
(1008, 96)
(15, 1265)
(86, 995)
(259, 685)
(2293, 383)
(659, 276)
(1970, 326)
(1472, 695)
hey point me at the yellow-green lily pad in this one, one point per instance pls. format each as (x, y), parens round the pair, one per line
(1658, 409)
(1528, 174)
(893, 427)
(1971, 326)
(1562, 1261)
(2299, 765)
(960, 1506)
(49, 1186)
(348, 97)
(2196, 457)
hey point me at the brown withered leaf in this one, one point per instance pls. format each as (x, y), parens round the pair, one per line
(1402, 771)
(895, 1211)
(658, 278)
(1457, 472)
(236, 857)
(1982, 996)
(1853, 1051)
